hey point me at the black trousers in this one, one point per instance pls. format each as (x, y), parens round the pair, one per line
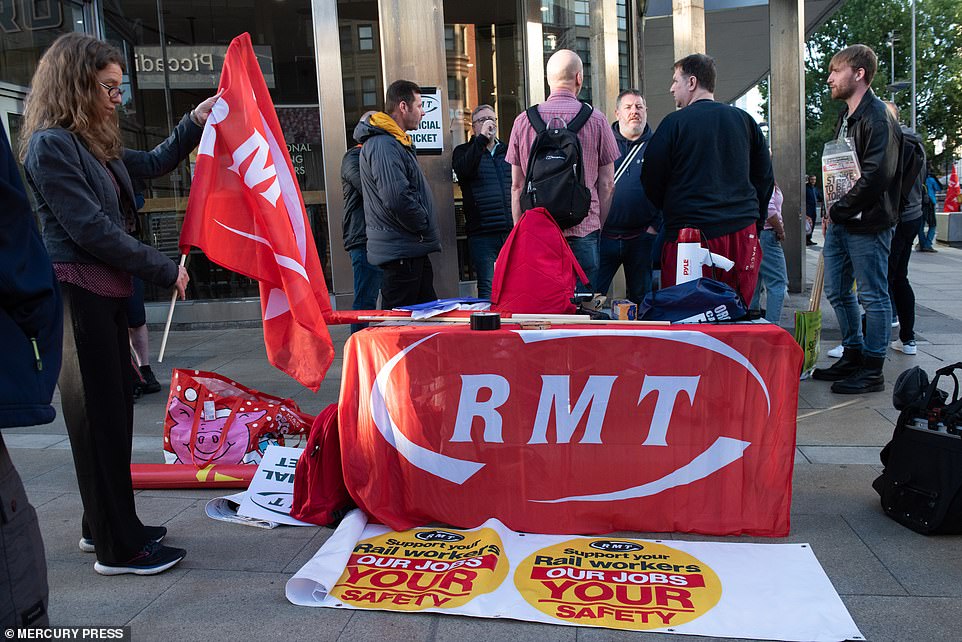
(96, 389)
(23, 567)
(406, 282)
(900, 290)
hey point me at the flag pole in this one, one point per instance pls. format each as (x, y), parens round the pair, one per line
(170, 316)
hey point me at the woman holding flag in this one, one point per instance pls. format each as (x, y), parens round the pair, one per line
(81, 175)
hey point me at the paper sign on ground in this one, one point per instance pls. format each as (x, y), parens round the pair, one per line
(271, 492)
(762, 591)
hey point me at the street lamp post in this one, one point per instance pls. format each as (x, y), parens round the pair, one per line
(891, 44)
(914, 122)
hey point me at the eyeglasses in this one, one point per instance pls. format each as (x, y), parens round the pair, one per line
(112, 92)
(485, 119)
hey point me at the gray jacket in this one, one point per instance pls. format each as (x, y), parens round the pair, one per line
(398, 207)
(79, 208)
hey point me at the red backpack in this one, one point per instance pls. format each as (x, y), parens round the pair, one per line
(320, 496)
(535, 271)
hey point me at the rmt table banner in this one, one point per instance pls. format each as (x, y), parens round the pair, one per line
(573, 430)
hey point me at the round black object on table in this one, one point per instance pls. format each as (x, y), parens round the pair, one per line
(485, 321)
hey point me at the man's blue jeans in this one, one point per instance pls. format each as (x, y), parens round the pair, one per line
(484, 249)
(367, 284)
(772, 275)
(585, 249)
(635, 255)
(926, 239)
(861, 258)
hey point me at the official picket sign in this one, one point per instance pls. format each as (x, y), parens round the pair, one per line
(578, 431)
(768, 591)
(429, 137)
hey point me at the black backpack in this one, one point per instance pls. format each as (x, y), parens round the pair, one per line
(555, 179)
(911, 165)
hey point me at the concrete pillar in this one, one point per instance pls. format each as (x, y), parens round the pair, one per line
(533, 34)
(787, 127)
(412, 48)
(331, 108)
(688, 24)
(604, 55)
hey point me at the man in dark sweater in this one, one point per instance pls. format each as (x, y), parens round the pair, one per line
(485, 180)
(708, 167)
(633, 222)
(367, 277)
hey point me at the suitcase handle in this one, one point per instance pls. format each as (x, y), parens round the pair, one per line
(933, 386)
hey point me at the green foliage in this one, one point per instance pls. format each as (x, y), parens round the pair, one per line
(938, 69)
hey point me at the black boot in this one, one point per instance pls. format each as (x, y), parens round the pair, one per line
(845, 367)
(868, 379)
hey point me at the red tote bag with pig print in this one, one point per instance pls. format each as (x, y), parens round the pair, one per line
(213, 420)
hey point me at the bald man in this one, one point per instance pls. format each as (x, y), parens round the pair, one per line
(599, 149)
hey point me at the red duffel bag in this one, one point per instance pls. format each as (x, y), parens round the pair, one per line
(320, 496)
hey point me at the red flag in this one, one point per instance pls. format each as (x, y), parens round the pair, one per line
(952, 193)
(246, 213)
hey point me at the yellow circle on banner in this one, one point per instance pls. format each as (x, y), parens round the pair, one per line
(421, 569)
(621, 584)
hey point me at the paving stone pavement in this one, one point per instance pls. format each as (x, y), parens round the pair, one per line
(896, 584)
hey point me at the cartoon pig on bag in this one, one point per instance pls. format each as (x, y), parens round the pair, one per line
(213, 444)
(212, 420)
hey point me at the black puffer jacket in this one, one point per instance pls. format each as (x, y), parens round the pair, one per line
(878, 145)
(485, 180)
(355, 232)
(398, 206)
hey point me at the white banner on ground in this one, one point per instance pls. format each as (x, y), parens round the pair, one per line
(763, 591)
(268, 500)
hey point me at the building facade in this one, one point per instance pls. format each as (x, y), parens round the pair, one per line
(492, 53)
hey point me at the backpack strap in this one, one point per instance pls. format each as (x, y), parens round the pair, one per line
(535, 119)
(579, 121)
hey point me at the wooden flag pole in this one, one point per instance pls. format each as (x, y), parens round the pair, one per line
(170, 314)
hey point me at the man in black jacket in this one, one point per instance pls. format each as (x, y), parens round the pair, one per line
(485, 179)
(31, 333)
(367, 277)
(402, 226)
(633, 222)
(708, 167)
(859, 226)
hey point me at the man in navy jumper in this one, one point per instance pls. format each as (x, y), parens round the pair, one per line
(485, 179)
(708, 167)
(633, 222)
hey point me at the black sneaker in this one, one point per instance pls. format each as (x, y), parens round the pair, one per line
(152, 559)
(150, 384)
(155, 534)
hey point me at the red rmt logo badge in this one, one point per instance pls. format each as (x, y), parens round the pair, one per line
(566, 429)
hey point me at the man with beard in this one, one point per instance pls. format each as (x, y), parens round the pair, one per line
(708, 167)
(859, 226)
(402, 226)
(633, 222)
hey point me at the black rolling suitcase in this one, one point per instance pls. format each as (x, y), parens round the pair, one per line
(921, 486)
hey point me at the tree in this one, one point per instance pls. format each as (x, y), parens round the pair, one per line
(938, 70)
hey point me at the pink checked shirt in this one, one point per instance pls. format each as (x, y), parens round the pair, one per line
(598, 146)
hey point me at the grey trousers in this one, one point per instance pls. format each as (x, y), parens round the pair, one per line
(23, 567)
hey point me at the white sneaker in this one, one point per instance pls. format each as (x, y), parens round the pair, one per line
(908, 347)
(836, 352)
